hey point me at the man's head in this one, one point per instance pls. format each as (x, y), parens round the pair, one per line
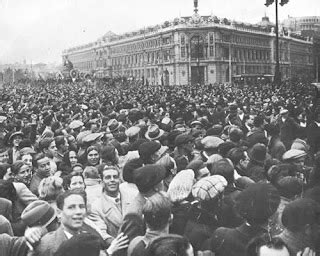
(48, 146)
(4, 156)
(61, 144)
(74, 180)
(21, 172)
(185, 142)
(72, 209)
(265, 246)
(16, 138)
(302, 216)
(111, 180)
(151, 151)
(157, 211)
(42, 163)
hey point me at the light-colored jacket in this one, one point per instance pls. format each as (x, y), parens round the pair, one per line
(107, 216)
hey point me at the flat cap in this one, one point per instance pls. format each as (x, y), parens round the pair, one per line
(211, 142)
(75, 124)
(132, 131)
(293, 154)
(209, 187)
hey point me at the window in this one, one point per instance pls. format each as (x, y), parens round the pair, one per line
(183, 52)
(196, 47)
(211, 51)
(211, 39)
(183, 40)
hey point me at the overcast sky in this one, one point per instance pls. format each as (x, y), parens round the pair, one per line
(38, 30)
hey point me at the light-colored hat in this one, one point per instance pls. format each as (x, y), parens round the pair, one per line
(114, 125)
(284, 111)
(132, 131)
(181, 186)
(2, 118)
(300, 144)
(75, 124)
(154, 132)
(92, 137)
(211, 142)
(293, 154)
(209, 187)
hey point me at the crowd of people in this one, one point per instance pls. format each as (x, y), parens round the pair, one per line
(224, 169)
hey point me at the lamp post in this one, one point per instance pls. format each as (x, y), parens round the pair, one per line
(277, 74)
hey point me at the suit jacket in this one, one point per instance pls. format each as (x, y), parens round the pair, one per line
(50, 243)
(106, 214)
(12, 246)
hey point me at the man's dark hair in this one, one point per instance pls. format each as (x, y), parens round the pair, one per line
(37, 157)
(169, 245)
(67, 179)
(61, 197)
(157, 211)
(235, 155)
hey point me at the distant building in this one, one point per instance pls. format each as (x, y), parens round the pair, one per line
(309, 27)
(196, 49)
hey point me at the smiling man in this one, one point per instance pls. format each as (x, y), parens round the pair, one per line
(107, 210)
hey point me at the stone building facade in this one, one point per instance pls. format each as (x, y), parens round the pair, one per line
(196, 49)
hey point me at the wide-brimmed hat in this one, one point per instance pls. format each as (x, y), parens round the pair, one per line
(113, 125)
(38, 213)
(19, 133)
(154, 132)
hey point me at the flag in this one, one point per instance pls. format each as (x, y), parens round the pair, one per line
(269, 2)
(283, 2)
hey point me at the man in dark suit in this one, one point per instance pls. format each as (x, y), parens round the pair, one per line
(313, 134)
(255, 204)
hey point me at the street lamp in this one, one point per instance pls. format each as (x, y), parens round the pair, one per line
(277, 74)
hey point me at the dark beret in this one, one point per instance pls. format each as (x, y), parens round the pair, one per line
(148, 176)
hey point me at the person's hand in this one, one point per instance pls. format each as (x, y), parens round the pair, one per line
(306, 252)
(34, 234)
(120, 242)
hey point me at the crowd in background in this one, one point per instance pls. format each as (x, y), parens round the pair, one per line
(224, 169)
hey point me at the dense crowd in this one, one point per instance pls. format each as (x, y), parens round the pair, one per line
(89, 169)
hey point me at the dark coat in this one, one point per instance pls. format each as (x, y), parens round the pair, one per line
(288, 131)
(313, 135)
(232, 241)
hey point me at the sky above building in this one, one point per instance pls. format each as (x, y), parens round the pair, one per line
(39, 30)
